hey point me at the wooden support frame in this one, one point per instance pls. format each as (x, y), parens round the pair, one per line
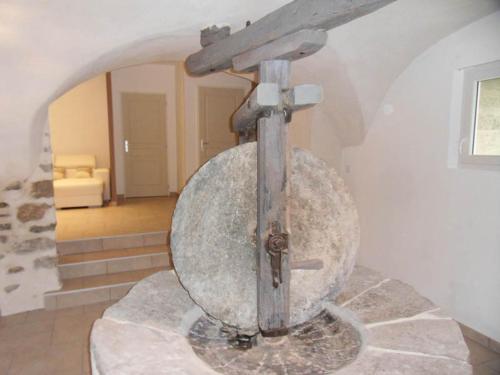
(272, 209)
(290, 18)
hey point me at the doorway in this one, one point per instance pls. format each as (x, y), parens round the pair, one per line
(144, 126)
(216, 106)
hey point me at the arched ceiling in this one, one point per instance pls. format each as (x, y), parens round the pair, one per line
(46, 47)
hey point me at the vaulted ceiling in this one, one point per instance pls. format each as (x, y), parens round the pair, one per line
(46, 47)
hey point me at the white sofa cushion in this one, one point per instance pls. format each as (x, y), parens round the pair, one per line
(78, 186)
(74, 161)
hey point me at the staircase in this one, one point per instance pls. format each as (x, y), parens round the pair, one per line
(104, 269)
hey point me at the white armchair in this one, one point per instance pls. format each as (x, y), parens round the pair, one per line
(78, 183)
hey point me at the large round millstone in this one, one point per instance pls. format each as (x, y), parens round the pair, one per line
(213, 236)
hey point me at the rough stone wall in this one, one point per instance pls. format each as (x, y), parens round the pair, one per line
(28, 257)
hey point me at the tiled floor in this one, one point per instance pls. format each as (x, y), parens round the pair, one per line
(57, 343)
(48, 342)
(135, 215)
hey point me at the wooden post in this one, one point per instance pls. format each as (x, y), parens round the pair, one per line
(273, 286)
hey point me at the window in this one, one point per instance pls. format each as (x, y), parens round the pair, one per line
(480, 118)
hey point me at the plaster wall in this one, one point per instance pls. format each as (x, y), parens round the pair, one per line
(79, 121)
(423, 222)
(148, 79)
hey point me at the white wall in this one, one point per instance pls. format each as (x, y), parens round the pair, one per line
(153, 79)
(434, 227)
(79, 121)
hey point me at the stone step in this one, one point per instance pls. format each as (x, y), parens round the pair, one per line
(94, 244)
(92, 289)
(112, 261)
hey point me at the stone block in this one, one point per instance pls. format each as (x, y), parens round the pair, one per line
(16, 185)
(361, 279)
(391, 300)
(6, 226)
(31, 211)
(34, 244)
(42, 189)
(45, 262)
(385, 363)
(43, 228)
(11, 288)
(438, 337)
(15, 269)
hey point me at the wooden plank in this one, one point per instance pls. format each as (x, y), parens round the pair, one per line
(291, 47)
(292, 17)
(272, 208)
(303, 96)
(263, 98)
(210, 35)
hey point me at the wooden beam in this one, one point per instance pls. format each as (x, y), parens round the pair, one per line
(265, 97)
(273, 289)
(210, 35)
(291, 47)
(303, 96)
(292, 17)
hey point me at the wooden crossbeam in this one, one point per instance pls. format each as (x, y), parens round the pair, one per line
(268, 96)
(291, 47)
(290, 18)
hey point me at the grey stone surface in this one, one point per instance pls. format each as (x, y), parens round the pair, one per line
(391, 300)
(42, 189)
(10, 288)
(130, 349)
(440, 337)
(15, 269)
(145, 333)
(319, 346)
(361, 279)
(34, 244)
(3, 239)
(159, 302)
(6, 226)
(16, 185)
(213, 235)
(45, 262)
(31, 211)
(43, 228)
(385, 363)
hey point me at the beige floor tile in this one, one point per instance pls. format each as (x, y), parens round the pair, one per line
(5, 361)
(13, 319)
(70, 311)
(75, 330)
(136, 215)
(84, 297)
(41, 315)
(32, 343)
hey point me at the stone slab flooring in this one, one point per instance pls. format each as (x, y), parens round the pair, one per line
(57, 342)
(403, 333)
(134, 215)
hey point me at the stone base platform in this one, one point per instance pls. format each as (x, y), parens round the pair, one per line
(157, 329)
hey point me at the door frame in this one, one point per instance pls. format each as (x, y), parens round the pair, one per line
(123, 94)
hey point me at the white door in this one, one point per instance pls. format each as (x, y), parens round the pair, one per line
(145, 144)
(216, 106)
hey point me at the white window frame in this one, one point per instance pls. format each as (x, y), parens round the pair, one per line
(471, 76)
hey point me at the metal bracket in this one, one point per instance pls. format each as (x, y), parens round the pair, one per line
(277, 245)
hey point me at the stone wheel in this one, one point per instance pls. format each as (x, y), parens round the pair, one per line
(213, 236)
